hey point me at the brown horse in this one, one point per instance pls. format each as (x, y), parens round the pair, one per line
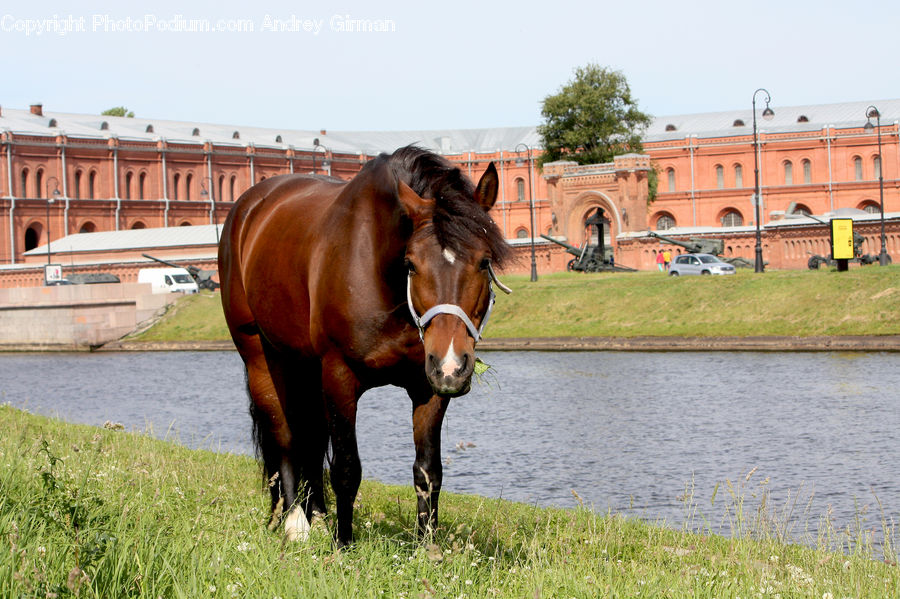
(323, 282)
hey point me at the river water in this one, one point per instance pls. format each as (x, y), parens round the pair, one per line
(628, 432)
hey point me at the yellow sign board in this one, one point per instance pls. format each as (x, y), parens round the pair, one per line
(842, 238)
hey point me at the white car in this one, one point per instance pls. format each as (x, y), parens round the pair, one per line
(699, 264)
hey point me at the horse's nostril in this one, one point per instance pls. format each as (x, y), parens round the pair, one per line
(465, 363)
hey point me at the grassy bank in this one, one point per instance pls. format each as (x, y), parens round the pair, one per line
(863, 301)
(90, 512)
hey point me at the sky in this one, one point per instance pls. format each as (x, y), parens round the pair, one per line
(435, 65)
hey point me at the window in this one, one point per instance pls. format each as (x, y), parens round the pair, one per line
(788, 172)
(77, 185)
(220, 197)
(802, 209)
(231, 188)
(807, 171)
(31, 238)
(521, 233)
(877, 164)
(39, 183)
(141, 182)
(187, 186)
(128, 179)
(720, 176)
(857, 168)
(738, 123)
(738, 175)
(23, 190)
(138, 225)
(520, 189)
(665, 221)
(176, 183)
(732, 218)
(87, 227)
(92, 185)
(670, 174)
(871, 207)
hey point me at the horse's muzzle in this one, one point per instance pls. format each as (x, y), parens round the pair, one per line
(450, 375)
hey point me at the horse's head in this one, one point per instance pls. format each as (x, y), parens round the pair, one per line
(449, 286)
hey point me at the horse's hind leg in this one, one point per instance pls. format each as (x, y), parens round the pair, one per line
(309, 428)
(274, 437)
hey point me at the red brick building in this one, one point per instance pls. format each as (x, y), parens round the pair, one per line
(73, 173)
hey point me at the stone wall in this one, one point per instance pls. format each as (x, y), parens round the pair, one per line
(75, 316)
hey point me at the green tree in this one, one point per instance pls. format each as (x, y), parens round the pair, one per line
(118, 111)
(593, 118)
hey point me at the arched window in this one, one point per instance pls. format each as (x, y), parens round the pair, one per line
(720, 176)
(870, 207)
(77, 185)
(188, 180)
(23, 190)
(92, 185)
(802, 209)
(732, 218)
(219, 197)
(788, 172)
(185, 224)
(807, 171)
(670, 175)
(876, 162)
(138, 225)
(128, 177)
(520, 189)
(738, 175)
(521, 233)
(87, 227)
(176, 184)
(39, 183)
(142, 180)
(231, 188)
(665, 221)
(857, 168)
(32, 237)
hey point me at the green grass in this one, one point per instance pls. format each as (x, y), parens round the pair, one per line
(863, 301)
(87, 512)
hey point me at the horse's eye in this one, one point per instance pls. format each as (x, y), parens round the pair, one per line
(409, 265)
(485, 264)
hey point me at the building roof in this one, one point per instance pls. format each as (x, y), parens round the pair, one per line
(132, 239)
(811, 117)
(444, 141)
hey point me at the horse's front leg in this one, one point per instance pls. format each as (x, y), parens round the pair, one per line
(428, 414)
(341, 393)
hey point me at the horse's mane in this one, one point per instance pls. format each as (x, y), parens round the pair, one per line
(458, 220)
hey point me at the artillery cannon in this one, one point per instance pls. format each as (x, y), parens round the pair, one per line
(702, 245)
(202, 277)
(816, 260)
(590, 257)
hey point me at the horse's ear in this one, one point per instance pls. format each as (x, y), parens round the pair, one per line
(486, 191)
(417, 208)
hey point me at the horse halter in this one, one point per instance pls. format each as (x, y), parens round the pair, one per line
(422, 322)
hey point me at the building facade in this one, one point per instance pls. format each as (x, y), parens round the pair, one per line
(63, 173)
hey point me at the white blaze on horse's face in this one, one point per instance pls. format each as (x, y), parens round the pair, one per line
(449, 255)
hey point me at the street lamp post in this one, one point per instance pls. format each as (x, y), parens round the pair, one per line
(534, 276)
(883, 258)
(212, 203)
(767, 114)
(50, 200)
(316, 147)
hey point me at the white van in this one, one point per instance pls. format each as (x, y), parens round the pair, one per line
(168, 280)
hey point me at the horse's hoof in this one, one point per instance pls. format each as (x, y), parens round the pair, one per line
(296, 526)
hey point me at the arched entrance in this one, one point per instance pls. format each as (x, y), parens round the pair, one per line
(32, 237)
